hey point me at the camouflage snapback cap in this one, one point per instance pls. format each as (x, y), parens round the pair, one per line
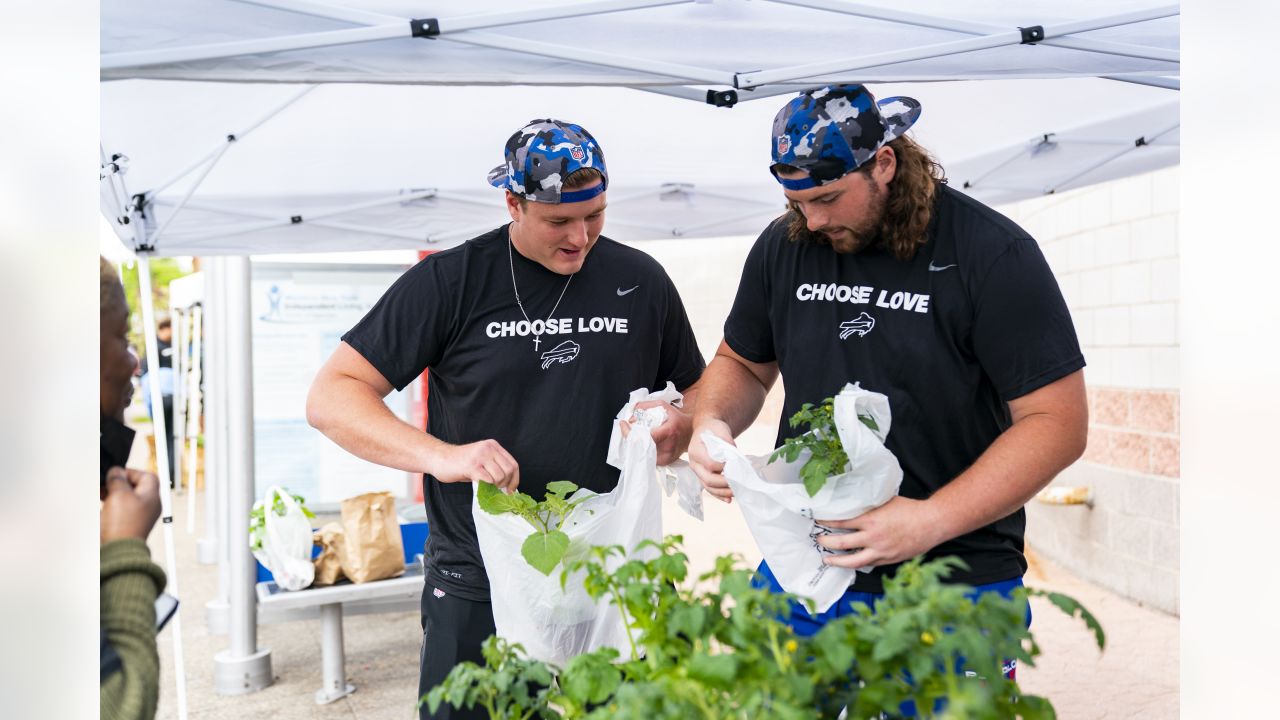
(540, 155)
(829, 132)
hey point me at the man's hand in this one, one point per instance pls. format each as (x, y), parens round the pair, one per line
(672, 436)
(709, 471)
(483, 461)
(896, 531)
(132, 505)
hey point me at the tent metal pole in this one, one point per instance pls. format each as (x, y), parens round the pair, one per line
(234, 48)
(193, 408)
(1003, 163)
(475, 22)
(220, 342)
(682, 231)
(387, 29)
(210, 207)
(953, 47)
(1160, 82)
(243, 667)
(1142, 142)
(185, 198)
(230, 138)
(332, 12)
(591, 57)
(177, 318)
(147, 303)
(193, 415)
(974, 28)
(208, 546)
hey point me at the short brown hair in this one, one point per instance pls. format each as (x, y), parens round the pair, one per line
(908, 208)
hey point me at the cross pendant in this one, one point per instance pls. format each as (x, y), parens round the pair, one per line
(537, 340)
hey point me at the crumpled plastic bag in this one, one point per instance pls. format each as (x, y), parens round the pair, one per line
(677, 478)
(286, 542)
(555, 624)
(781, 514)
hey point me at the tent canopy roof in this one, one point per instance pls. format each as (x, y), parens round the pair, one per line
(727, 43)
(406, 165)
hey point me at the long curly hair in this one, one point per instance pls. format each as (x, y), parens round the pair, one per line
(907, 210)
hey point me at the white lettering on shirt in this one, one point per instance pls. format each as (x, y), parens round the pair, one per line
(861, 295)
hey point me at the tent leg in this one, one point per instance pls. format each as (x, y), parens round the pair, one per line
(151, 345)
(243, 667)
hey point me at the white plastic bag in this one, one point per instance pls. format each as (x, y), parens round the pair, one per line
(780, 513)
(555, 624)
(286, 542)
(677, 477)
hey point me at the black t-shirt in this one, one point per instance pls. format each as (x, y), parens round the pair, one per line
(619, 326)
(973, 321)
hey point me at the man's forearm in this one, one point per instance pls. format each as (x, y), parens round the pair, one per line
(730, 393)
(1021, 462)
(354, 416)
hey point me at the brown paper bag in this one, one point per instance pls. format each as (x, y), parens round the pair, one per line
(329, 562)
(372, 548)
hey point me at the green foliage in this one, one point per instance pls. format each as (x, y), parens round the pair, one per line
(827, 457)
(716, 647)
(258, 518)
(508, 686)
(547, 545)
(163, 272)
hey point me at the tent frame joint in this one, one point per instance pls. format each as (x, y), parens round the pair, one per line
(1032, 34)
(722, 98)
(424, 27)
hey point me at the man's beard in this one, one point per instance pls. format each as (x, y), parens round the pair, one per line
(867, 233)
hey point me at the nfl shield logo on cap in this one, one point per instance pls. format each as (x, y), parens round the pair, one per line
(577, 153)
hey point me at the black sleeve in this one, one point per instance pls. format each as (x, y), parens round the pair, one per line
(408, 328)
(1022, 331)
(749, 328)
(680, 360)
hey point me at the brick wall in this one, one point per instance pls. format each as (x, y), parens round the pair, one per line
(1114, 251)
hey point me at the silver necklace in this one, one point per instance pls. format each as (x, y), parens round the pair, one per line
(537, 339)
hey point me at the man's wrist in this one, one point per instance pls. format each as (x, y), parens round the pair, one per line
(936, 522)
(429, 456)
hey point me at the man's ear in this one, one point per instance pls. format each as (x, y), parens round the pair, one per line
(886, 166)
(513, 207)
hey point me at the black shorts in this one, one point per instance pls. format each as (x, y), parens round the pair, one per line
(453, 629)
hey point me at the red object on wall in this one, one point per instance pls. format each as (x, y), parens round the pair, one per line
(420, 402)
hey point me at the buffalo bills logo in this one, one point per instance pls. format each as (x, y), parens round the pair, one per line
(577, 153)
(784, 144)
(562, 353)
(859, 326)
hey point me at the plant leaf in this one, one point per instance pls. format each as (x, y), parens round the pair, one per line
(561, 488)
(545, 550)
(495, 502)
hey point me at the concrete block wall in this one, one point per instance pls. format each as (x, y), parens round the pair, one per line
(1114, 250)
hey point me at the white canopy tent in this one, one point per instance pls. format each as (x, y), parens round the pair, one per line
(240, 127)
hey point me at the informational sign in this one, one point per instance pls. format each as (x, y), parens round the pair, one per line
(300, 312)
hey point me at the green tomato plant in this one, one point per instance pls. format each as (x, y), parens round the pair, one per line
(716, 647)
(258, 519)
(827, 457)
(546, 545)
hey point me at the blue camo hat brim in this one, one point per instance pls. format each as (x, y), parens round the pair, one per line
(540, 155)
(830, 132)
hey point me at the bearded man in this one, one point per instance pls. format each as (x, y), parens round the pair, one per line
(880, 273)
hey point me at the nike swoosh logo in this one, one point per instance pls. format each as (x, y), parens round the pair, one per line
(935, 268)
(622, 292)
